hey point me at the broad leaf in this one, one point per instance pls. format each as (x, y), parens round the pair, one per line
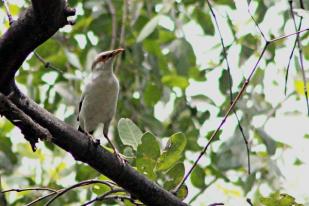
(129, 133)
(148, 28)
(147, 155)
(172, 152)
(198, 177)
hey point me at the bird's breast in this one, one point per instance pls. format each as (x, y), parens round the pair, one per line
(100, 100)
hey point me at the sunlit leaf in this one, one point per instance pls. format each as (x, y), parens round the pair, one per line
(182, 55)
(148, 28)
(173, 151)
(205, 21)
(175, 81)
(225, 82)
(174, 176)
(229, 3)
(198, 177)
(267, 140)
(129, 133)
(152, 94)
(147, 155)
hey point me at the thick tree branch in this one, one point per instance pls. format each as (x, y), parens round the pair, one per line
(35, 26)
(31, 130)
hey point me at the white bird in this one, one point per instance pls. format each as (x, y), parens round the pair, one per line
(99, 100)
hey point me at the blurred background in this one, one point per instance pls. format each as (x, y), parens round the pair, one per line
(174, 78)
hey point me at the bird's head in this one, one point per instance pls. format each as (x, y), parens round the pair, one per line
(104, 60)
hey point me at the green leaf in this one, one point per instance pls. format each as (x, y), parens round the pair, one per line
(152, 94)
(269, 142)
(6, 148)
(248, 183)
(183, 192)
(306, 51)
(229, 3)
(84, 172)
(205, 21)
(99, 189)
(174, 176)
(147, 155)
(248, 47)
(203, 98)
(73, 59)
(224, 82)
(148, 28)
(182, 56)
(210, 133)
(192, 137)
(279, 200)
(173, 152)
(261, 11)
(175, 81)
(129, 133)
(198, 177)
(197, 74)
(5, 164)
(298, 162)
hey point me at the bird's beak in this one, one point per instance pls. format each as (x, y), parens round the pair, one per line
(117, 51)
(104, 56)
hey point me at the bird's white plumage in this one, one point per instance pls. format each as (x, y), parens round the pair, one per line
(99, 99)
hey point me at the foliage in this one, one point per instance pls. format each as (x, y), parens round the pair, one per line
(280, 200)
(172, 90)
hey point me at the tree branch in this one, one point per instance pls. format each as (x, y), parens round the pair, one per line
(31, 130)
(35, 26)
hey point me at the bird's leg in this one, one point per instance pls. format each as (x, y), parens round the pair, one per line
(118, 155)
(89, 134)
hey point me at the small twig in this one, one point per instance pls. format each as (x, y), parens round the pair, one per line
(42, 198)
(122, 32)
(112, 11)
(80, 184)
(230, 109)
(122, 197)
(46, 63)
(216, 204)
(230, 87)
(300, 51)
(29, 189)
(11, 20)
(102, 197)
(249, 201)
(54, 192)
(256, 24)
(289, 63)
(288, 35)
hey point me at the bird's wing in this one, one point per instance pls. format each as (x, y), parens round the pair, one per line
(80, 106)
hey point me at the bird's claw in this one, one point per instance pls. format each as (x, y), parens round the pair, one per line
(94, 140)
(120, 158)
